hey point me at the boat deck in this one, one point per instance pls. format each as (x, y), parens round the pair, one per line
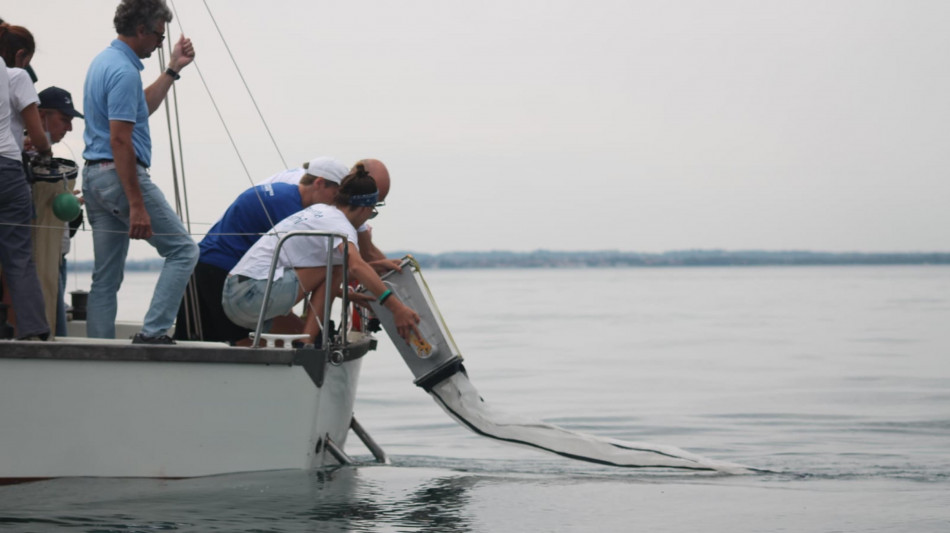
(81, 348)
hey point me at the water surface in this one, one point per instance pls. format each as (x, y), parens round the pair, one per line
(834, 378)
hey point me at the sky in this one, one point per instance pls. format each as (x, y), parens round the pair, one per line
(562, 125)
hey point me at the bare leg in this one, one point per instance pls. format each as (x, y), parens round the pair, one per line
(312, 282)
(289, 323)
(316, 305)
(314, 318)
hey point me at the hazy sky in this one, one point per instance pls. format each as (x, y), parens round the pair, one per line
(567, 125)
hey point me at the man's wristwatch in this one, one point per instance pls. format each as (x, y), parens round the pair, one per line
(171, 72)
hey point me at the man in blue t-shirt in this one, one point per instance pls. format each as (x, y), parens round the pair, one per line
(121, 200)
(252, 214)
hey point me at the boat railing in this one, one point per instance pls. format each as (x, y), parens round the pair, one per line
(328, 299)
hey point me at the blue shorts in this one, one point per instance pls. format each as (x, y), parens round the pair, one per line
(242, 300)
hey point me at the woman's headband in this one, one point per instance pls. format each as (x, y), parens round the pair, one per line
(364, 200)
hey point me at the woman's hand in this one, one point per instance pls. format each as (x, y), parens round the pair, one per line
(361, 299)
(406, 320)
(382, 266)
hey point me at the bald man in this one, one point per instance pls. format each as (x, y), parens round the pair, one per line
(368, 250)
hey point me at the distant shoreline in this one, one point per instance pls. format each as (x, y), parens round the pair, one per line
(617, 259)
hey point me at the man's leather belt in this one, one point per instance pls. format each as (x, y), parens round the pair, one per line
(101, 161)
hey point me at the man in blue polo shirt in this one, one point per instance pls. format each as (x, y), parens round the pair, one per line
(121, 200)
(239, 228)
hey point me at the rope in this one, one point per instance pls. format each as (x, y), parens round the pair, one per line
(193, 294)
(192, 323)
(246, 87)
(181, 153)
(83, 229)
(224, 124)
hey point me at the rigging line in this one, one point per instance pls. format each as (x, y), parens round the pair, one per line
(190, 302)
(175, 133)
(244, 81)
(224, 124)
(192, 316)
(181, 154)
(171, 141)
(189, 296)
(125, 232)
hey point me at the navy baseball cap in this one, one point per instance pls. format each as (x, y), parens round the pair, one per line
(59, 99)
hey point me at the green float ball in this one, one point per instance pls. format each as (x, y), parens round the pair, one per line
(66, 206)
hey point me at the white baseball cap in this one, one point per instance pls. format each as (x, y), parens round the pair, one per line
(327, 168)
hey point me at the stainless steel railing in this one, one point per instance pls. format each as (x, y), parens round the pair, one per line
(328, 300)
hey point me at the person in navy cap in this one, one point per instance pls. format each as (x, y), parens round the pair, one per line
(57, 112)
(50, 245)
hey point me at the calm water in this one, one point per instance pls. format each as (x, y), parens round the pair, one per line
(836, 379)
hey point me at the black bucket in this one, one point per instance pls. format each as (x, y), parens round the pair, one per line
(79, 304)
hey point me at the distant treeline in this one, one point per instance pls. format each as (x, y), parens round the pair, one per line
(616, 259)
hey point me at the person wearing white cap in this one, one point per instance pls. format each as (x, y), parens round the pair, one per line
(368, 250)
(324, 167)
(239, 228)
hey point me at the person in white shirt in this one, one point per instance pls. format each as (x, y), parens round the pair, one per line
(16, 205)
(302, 263)
(376, 169)
(16, 47)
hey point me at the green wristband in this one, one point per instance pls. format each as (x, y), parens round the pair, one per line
(386, 294)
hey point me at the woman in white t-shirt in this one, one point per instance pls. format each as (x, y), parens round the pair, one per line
(302, 263)
(16, 207)
(16, 48)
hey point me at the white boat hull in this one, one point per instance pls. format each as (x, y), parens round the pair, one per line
(167, 419)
